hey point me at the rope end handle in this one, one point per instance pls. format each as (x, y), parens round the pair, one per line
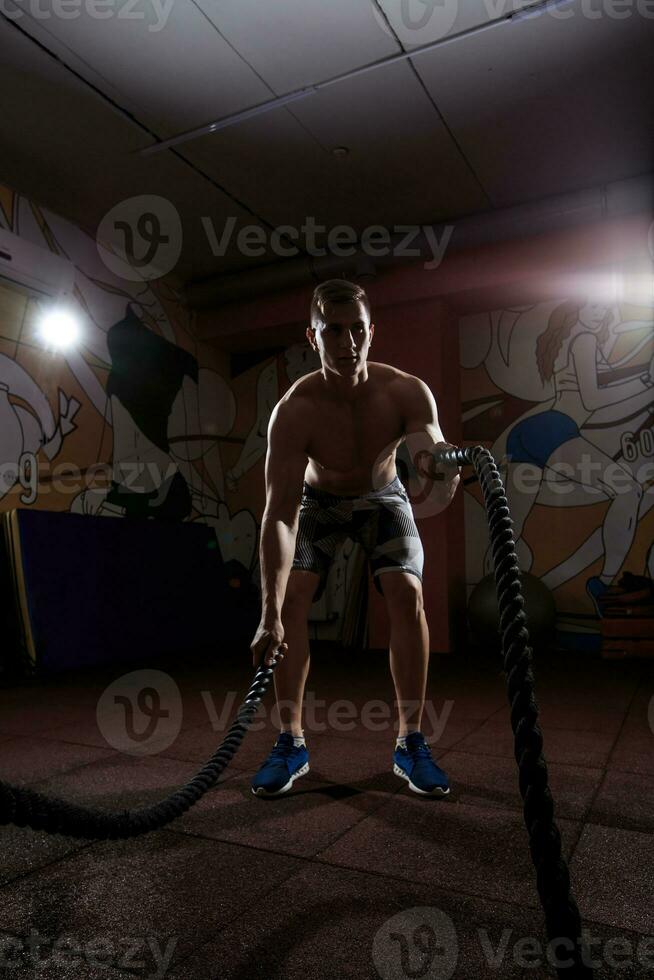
(449, 454)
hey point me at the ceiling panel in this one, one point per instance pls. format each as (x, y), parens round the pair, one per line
(293, 43)
(549, 104)
(64, 146)
(272, 162)
(519, 111)
(419, 22)
(174, 69)
(402, 166)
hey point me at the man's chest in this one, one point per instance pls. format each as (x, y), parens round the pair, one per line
(346, 435)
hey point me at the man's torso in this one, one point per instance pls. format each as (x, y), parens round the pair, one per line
(351, 443)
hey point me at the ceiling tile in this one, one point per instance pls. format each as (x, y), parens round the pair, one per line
(402, 166)
(420, 22)
(294, 43)
(551, 103)
(172, 66)
(67, 148)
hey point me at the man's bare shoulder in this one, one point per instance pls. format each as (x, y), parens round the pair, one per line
(305, 388)
(291, 414)
(310, 386)
(387, 373)
(383, 372)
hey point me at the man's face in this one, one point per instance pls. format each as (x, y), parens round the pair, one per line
(344, 338)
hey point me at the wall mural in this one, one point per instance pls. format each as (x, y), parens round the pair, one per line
(129, 422)
(136, 420)
(562, 393)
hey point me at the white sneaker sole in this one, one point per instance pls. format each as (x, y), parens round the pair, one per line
(260, 791)
(436, 791)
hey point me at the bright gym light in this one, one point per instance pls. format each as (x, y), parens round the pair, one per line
(59, 328)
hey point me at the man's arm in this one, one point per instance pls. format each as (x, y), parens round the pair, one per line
(423, 435)
(286, 462)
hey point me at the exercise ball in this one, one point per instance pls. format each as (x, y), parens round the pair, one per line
(484, 615)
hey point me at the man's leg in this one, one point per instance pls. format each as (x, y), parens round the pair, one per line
(409, 646)
(291, 673)
(289, 758)
(409, 656)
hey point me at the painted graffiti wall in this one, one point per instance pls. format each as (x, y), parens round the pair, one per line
(128, 421)
(562, 392)
(139, 419)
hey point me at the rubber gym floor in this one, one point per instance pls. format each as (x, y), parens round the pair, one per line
(334, 878)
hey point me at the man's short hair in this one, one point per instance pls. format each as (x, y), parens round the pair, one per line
(336, 291)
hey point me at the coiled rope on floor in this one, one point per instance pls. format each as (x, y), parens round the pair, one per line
(562, 917)
(26, 808)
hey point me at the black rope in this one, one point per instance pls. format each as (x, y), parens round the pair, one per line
(562, 917)
(26, 808)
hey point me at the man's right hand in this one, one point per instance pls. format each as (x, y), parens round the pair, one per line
(268, 638)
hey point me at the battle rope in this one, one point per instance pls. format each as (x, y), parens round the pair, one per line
(562, 918)
(26, 808)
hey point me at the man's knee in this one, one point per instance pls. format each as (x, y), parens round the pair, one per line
(300, 591)
(402, 592)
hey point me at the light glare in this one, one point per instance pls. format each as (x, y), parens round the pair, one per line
(59, 329)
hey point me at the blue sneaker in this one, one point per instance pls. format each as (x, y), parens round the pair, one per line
(282, 767)
(415, 764)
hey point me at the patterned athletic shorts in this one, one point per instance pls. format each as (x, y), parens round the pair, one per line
(381, 521)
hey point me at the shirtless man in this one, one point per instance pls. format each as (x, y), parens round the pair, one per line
(337, 429)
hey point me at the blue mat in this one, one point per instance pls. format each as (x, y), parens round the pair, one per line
(93, 590)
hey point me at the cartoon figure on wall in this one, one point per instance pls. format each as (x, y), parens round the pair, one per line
(299, 360)
(147, 405)
(572, 426)
(27, 426)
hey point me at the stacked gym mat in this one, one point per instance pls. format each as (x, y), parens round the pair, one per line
(627, 622)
